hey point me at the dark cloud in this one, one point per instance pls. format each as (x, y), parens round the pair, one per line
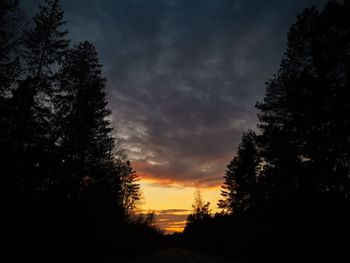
(183, 76)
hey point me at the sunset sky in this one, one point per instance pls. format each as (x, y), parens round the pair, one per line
(183, 78)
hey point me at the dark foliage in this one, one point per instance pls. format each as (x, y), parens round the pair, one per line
(286, 192)
(199, 216)
(68, 192)
(67, 189)
(240, 186)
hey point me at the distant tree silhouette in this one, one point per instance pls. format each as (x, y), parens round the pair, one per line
(201, 211)
(130, 189)
(198, 222)
(239, 188)
(150, 219)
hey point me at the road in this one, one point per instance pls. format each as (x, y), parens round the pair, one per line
(177, 255)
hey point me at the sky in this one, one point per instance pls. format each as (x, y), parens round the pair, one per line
(183, 79)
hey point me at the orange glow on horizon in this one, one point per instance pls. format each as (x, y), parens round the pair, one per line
(172, 202)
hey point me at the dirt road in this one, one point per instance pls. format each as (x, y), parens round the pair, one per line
(177, 255)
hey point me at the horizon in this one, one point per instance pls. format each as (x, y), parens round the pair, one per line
(179, 82)
(193, 131)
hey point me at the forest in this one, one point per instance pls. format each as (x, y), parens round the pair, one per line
(69, 192)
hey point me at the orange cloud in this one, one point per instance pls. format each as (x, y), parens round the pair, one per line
(208, 174)
(170, 195)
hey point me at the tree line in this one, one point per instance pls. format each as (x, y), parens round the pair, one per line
(302, 148)
(65, 180)
(290, 179)
(67, 187)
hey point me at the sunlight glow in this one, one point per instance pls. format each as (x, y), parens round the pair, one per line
(172, 203)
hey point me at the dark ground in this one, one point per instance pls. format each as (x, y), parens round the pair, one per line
(179, 255)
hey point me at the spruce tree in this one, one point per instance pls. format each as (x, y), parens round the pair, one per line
(86, 145)
(304, 115)
(240, 186)
(327, 143)
(283, 110)
(30, 135)
(11, 26)
(29, 105)
(11, 36)
(45, 43)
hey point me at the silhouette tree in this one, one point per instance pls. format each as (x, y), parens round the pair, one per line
(201, 211)
(150, 219)
(303, 140)
(327, 128)
(45, 44)
(198, 222)
(130, 189)
(86, 145)
(11, 36)
(65, 183)
(302, 180)
(240, 186)
(31, 144)
(278, 139)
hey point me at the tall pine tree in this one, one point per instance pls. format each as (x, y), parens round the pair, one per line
(31, 140)
(240, 186)
(86, 145)
(304, 116)
(11, 36)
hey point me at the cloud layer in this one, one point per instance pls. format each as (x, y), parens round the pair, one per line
(183, 76)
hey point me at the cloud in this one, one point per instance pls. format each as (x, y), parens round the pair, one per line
(173, 211)
(183, 76)
(172, 220)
